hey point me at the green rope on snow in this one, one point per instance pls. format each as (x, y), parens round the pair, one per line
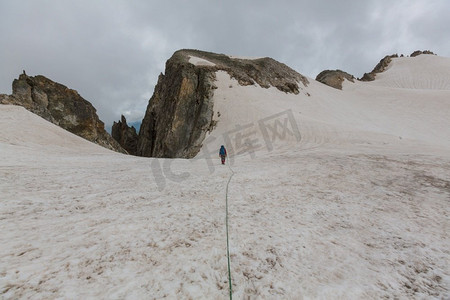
(228, 242)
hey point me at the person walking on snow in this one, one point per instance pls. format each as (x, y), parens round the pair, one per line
(222, 154)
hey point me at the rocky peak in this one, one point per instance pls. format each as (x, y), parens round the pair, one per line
(61, 106)
(125, 135)
(265, 71)
(180, 112)
(380, 67)
(334, 78)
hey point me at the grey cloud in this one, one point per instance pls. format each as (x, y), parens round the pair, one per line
(113, 51)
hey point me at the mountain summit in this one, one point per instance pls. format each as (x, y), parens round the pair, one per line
(180, 112)
(205, 94)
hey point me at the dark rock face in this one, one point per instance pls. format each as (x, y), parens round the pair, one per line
(334, 78)
(61, 106)
(418, 52)
(380, 67)
(126, 136)
(180, 112)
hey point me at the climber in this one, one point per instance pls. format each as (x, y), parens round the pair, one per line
(222, 154)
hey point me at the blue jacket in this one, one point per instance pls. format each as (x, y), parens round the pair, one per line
(222, 151)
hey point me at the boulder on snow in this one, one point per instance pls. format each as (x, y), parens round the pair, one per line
(334, 78)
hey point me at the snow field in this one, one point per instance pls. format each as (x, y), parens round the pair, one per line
(358, 208)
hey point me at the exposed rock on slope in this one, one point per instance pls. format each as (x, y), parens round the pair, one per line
(125, 135)
(334, 78)
(61, 106)
(380, 67)
(418, 52)
(180, 112)
(384, 63)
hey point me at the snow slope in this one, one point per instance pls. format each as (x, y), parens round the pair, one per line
(421, 72)
(361, 109)
(200, 61)
(357, 207)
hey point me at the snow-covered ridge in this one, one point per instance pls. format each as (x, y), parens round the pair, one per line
(429, 72)
(362, 111)
(25, 129)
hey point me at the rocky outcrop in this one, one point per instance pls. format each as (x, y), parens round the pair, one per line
(334, 78)
(418, 52)
(265, 72)
(126, 136)
(180, 112)
(380, 67)
(61, 106)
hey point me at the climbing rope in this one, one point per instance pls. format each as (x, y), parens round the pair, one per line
(228, 241)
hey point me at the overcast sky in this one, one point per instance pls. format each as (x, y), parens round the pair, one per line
(112, 51)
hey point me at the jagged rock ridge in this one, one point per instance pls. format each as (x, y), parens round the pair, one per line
(62, 106)
(125, 135)
(266, 71)
(380, 67)
(180, 112)
(419, 52)
(334, 78)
